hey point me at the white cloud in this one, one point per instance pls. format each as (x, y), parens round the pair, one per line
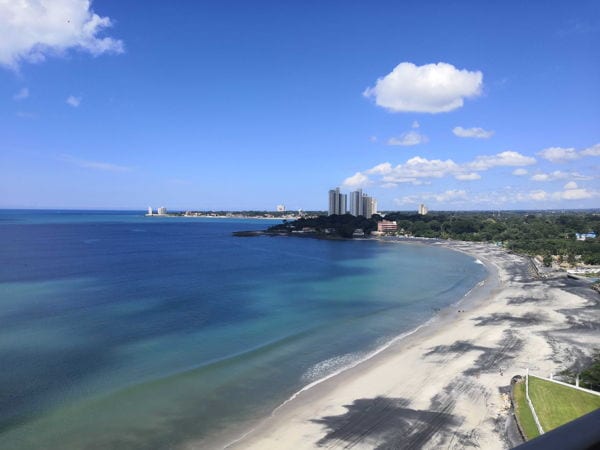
(408, 139)
(571, 185)
(454, 194)
(558, 154)
(556, 175)
(355, 181)
(94, 165)
(507, 158)
(520, 172)
(73, 101)
(467, 176)
(381, 169)
(478, 133)
(449, 196)
(35, 29)
(431, 88)
(574, 194)
(415, 124)
(594, 150)
(373, 139)
(22, 94)
(538, 195)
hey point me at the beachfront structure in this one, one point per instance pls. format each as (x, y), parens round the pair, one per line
(149, 210)
(423, 209)
(162, 211)
(387, 226)
(337, 202)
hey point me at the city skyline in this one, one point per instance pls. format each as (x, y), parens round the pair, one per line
(225, 106)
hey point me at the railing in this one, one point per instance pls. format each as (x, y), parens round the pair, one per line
(535, 417)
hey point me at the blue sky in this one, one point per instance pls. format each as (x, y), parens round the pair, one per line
(245, 105)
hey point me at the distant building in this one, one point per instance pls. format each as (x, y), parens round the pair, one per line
(584, 236)
(369, 206)
(280, 208)
(423, 209)
(162, 211)
(337, 202)
(362, 205)
(356, 203)
(387, 226)
(149, 210)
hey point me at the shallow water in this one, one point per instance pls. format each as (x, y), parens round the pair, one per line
(121, 331)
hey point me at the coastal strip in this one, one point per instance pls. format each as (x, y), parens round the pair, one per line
(446, 384)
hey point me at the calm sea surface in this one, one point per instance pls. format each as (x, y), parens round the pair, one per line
(121, 331)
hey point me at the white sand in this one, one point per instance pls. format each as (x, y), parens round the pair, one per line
(440, 388)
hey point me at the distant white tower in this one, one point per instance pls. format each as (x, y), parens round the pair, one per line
(423, 209)
(162, 211)
(280, 208)
(149, 210)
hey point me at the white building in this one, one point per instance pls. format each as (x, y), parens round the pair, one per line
(423, 209)
(162, 211)
(362, 205)
(149, 210)
(280, 208)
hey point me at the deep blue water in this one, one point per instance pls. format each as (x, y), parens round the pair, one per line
(122, 331)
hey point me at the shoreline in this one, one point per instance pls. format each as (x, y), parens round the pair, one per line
(295, 423)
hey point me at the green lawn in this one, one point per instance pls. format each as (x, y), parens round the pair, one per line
(523, 412)
(556, 405)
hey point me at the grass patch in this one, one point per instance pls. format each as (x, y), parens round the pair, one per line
(523, 412)
(556, 405)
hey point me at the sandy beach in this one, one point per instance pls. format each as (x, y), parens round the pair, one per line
(446, 385)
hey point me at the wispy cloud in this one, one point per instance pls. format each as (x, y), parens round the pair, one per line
(33, 30)
(73, 101)
(558, 154)
(22, 94)
(431, 88)
(476, 133)
(94, 165)
(408, 139)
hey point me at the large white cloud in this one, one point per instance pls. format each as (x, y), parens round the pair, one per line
(477, 133)
(34, 29)
(431, 88)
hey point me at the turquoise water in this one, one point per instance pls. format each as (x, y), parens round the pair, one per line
(121, 331)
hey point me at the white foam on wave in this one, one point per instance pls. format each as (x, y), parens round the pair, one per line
(477, 261)
(337, 365)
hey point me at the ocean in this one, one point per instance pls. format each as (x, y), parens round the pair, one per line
(129, 332)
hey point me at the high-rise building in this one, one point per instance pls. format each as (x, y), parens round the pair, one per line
(362, 205)
(369, 206)
(162, 211)
(423, 209)
(149, 210)
(280, 208)
(337, 202)
(356, 203)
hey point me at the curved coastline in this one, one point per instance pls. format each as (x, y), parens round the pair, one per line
(447, 379)
(478, 293)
